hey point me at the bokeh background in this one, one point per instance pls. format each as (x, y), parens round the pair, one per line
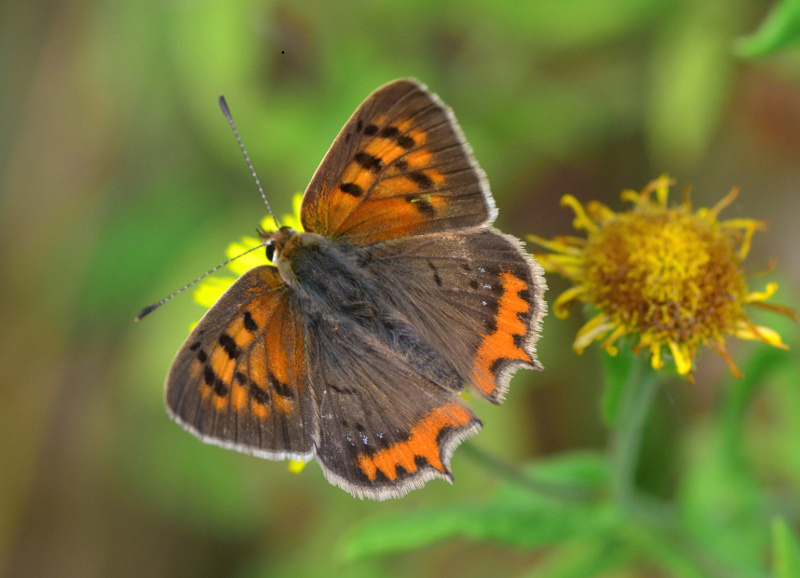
(120, 181)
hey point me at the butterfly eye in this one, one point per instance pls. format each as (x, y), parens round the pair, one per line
(270, 250)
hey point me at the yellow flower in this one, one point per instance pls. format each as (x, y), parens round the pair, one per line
(212, 288)
(671, 276)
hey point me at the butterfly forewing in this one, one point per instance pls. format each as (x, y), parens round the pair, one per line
(240, 380)
(400, 167)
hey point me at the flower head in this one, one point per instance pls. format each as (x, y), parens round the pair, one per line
(669, 275)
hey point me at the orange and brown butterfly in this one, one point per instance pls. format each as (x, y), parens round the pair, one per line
(355, 346)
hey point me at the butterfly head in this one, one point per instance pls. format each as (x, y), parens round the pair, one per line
(277, 241)
(283, 248)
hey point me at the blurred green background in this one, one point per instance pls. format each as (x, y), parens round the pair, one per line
(120, 181)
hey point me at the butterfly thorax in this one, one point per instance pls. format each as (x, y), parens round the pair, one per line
(325, 275)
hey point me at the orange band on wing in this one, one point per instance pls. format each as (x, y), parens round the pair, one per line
(239, 397)
(385, 149)
(422, 442)
(500, 345)
(419, 159)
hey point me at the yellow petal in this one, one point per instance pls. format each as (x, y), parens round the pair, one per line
(631, 196)
(561, 306)
(268, 224)
(582, 220)
(683, 360)
(554, 245)
(608, 344)
(246, 262)
(565, 265)
(746, 330)
(211, 289)
(724, 202)
(593, 330)
(296, 466)
(655, 356)
(599, 211)
(661, 185)
(762, 296)
(297, 203)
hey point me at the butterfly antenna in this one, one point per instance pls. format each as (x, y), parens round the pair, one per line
(227, 112)
(155, 306)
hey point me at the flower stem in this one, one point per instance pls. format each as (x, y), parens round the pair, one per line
(639, 391)
(517, 476)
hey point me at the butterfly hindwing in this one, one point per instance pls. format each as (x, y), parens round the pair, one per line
(473, 295)
(240, 379)
(399, 167)
(385, 428)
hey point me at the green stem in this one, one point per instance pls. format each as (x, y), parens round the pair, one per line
(515, 475)
(637, 396)
(639, 392)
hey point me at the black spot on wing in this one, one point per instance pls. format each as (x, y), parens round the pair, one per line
(423, 205)
(420, 462)
(370, 129)
(422, 180)
(497, 365)
(368, 162)
(229, 345)
(220, 389)
(280, 388)
(212, 380)
(351, 189)
(249, 322)
(259, 395)
(436, 278)
(406, 142)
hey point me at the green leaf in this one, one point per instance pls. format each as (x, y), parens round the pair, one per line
(582, 559)
(517, 515)
(764, 363)
(724, 509)
(780, 30)
(785, 550)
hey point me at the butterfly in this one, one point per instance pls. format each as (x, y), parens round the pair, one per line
(355, 347)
